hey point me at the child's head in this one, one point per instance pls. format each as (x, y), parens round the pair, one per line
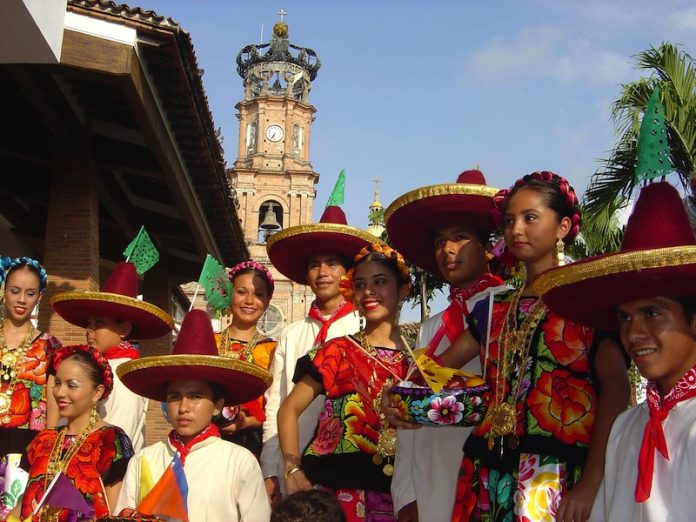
(659, 334)
(191, 406)
(82, 378)
(105, 332)
(377, 283)
(253, 288)
(539, 210)
(460, 253)
(308, 506)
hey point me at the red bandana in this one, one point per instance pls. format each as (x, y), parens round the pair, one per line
(315, 313)
(654, 436)
(453, 317)
(185, 448)
(123, 350)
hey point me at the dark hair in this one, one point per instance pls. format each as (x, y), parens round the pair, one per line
(217, 389)
(388, 262)
(688, 304)
(557, 194)
(251, 270)
(345, 262)
(85, 357)
(30, 264)
(308, 506)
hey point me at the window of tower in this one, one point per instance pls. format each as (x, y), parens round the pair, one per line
(270, 220)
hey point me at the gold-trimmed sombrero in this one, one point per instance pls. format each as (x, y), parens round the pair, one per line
(195, 357)
(412, 219)
(289, 249)
(657, 258)
(117, 299)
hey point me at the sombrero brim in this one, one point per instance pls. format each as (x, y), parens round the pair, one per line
(240, 380)
(413, 218)
(149, 321)
(589, 291)
(289, 249)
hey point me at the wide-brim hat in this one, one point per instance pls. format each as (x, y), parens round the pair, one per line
(413, 218)
(289, 249)
(657, 258)
(195, 358)
(117, 299)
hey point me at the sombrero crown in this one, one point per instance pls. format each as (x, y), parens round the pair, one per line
(117, 299)
(289, 249)
(657, 258)
(413, 218)
(195, 357)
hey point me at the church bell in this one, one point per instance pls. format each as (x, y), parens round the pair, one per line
(269, 219)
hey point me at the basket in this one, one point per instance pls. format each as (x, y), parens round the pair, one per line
(449, 407)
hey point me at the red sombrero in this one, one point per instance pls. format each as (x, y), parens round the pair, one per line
(195, 357)
(413, 218)
(657, 258)
(117, 299)
(289, 249)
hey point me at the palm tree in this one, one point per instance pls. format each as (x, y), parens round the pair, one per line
(674, 71)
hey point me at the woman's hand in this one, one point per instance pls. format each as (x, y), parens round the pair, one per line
(392, 414)
(297, 481)
(409, 513)
(576, 504)
(242, 421)
(273, 490)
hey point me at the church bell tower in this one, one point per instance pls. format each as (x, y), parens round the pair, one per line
(272, 176)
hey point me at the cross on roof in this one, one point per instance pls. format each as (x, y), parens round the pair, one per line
(376, 181)
(282, 13)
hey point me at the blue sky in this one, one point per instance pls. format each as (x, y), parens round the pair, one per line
(414, 92)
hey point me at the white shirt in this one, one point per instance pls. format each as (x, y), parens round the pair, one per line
(125, 409)
(295, 341)
(672, 497)
(224, 481)
(428, 459)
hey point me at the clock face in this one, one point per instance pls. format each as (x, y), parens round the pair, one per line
(274, 133)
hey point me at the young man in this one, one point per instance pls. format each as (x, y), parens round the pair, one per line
(112, 317)
(224, 480)
(316, 255)
(442, 229)
(648, 292)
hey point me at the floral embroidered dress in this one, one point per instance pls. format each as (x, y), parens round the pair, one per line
(522, 476)
(260, 355)
(101, 459)
(27, 412)
(342, 455)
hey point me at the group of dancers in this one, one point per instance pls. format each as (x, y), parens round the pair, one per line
(551, 339)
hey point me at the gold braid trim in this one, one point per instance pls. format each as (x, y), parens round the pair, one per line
(333, 228)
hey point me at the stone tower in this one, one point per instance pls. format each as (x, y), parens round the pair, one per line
(272, 176)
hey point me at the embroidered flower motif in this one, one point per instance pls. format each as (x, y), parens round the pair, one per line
(327, 411)
(329, 434)
(37, 421)
(446, 410)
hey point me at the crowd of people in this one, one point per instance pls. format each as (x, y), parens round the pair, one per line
(309, 427)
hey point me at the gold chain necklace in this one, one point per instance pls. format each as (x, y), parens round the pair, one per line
(245, 353)
(514, 345)
(10, 363)
(386, 438)
(58, 462)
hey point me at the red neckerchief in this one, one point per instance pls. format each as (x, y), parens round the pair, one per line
(453, 317)
(184, 449)
(315, 313)
(654, 436)
(123, 350)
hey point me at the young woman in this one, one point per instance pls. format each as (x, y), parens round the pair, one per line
(555, 386)
(91, 453)
(352, 451)
(25, 407)
(253, 289)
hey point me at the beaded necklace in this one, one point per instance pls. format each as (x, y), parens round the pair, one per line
(245, 354)
(515, 343)
(60, 455)
(10, 363)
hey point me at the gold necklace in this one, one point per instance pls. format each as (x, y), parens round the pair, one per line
(58, 462)
(515, 343)
(245, 353)
(10, 364)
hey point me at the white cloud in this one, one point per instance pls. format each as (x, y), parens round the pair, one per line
(546, 52)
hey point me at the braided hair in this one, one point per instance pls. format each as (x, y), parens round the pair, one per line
(10, 265)
(97, 365)
(558, 195)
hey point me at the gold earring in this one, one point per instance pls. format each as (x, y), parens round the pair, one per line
(94, 414)
(560, 252)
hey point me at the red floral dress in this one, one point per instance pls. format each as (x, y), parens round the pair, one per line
(101, 459)
(523, 476)
(27, 410)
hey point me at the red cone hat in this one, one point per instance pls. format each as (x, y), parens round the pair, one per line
(413, 218)
(657, 258)
(117, 299)
(195, 357)
(289, 249)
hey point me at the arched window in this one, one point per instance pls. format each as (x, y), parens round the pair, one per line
(271, 321)
(270, 219)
